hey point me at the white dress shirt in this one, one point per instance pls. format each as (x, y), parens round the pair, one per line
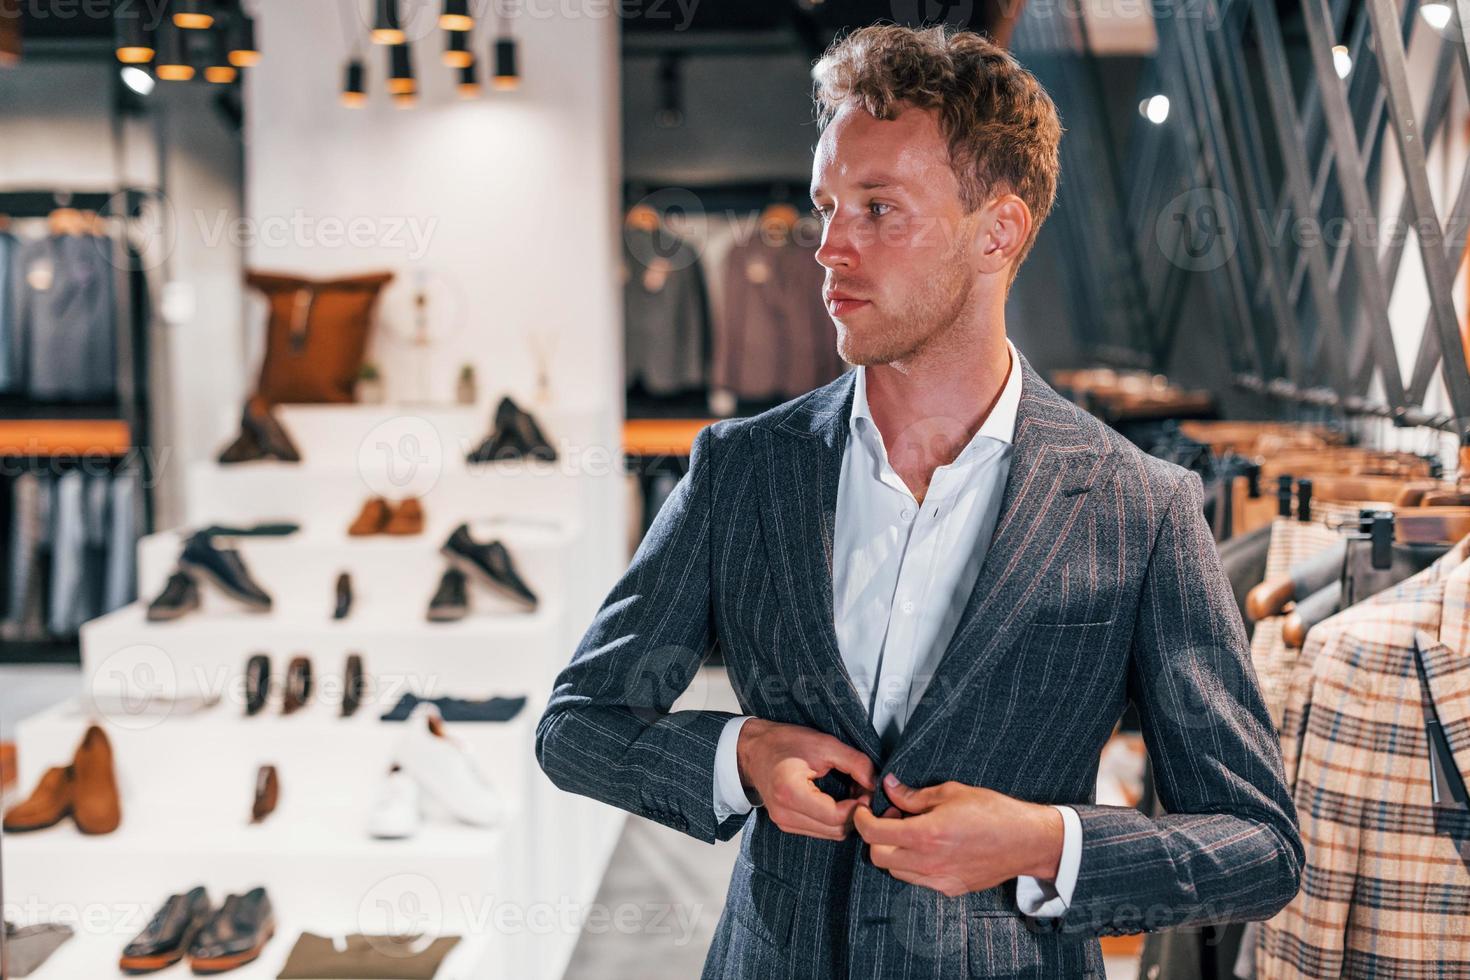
(902, 574)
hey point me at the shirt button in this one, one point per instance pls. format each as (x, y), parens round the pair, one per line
(891, 704)
(906, 514)
(908, 605)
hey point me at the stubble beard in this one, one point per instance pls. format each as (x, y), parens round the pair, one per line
(927, 319)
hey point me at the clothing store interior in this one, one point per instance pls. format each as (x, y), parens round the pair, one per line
(349, 349)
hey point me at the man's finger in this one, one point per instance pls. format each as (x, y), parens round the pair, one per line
(911, 800)
(817, 805)
(839, 755)
(883, 830)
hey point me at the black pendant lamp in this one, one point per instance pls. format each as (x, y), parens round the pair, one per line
(457, 53)
(456, 16)
(507, 77)
(469, 81)
(194, 15)
(400, 70)
(134, 43)
(354, 85)
(244, 53)
(173, 64)
(387, 29)
(217, 67)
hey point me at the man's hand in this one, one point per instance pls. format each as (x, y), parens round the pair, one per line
(780, 762)
(956, 839)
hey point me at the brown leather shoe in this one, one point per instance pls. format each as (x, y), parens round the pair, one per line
(48, 804)
(267, 794)
(408, 518)
(373, 517)
(95, 803)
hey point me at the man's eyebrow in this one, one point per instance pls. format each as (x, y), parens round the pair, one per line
(871, 183)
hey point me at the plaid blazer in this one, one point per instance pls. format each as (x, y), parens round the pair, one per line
(1386, 888)
(1102, 584)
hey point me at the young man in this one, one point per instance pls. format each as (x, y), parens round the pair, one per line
(936, 584)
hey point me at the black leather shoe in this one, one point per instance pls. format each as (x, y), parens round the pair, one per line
(245, 449)
(224, 568)
(235, 935)
(515, 436)
(450, 601)
(257, 683)
(261, 423)
(344, 596)
(352, 685)
(180, 595)
(168, 934)
(490, 564)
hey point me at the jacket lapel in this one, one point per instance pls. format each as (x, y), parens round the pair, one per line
(802, 460)
(1055, 462)
(1448, 672)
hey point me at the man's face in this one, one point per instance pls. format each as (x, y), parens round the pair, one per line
(897, 243)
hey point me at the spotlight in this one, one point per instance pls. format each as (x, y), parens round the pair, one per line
(244, 53)
(456, 16)
(137, 79)
(1342, 62)
(134, 46)
(469, 81)
(173, 60)
(1436, 14)
(354, 86)
(1155, 109)
(386, 27)
(507, 78)
(457, 53)
(400, 70)
(193, 15)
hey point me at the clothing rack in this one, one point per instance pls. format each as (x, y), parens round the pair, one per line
(59, 429)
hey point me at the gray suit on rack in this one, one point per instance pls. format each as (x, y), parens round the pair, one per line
(1102, 584)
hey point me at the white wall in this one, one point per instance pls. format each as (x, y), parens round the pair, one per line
(505, 206)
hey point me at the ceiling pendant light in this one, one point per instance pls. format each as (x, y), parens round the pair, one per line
(217, 67)
(456, 16)
(387, 29)
(354, 85)
(400, 70)
(193, 15)
(134, 46)
(507, 77)
(173, 59)
(244, 52)
(457, 53)
(469, 81)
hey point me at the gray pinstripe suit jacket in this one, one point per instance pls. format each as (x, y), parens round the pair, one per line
(1102, 584)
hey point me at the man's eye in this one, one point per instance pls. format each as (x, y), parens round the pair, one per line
(873, 206)
(819, 212)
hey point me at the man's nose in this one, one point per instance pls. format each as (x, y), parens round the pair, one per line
(838, 250)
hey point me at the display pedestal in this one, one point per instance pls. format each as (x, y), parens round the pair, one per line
(517, 892)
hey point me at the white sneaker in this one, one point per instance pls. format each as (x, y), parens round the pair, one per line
(444, 770)
(396, 813)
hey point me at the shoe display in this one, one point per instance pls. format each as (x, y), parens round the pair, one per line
(165, 940)
(267, 794)
(261, 437)
(245, 449)
(374, 516)
(27, 948)
(298, 685)
(444, 771)
(179, 597)
(257, 683)
(514, 436)
(235, 935)
(488, 563)
(352, 685)
(225, 569)
(451, 600)
(408, 518)
(403, 957)
(344, 596)
(95, 804)
(396, 813)
(48, 804)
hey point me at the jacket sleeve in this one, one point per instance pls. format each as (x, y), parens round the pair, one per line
(607, 732)
(1228, 847)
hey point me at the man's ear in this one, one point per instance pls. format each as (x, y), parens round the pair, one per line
(1004, 226)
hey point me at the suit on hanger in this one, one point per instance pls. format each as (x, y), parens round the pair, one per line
(1101, 584)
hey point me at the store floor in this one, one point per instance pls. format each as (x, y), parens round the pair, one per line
(668, 886)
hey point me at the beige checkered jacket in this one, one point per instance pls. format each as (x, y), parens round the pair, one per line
(1386, 889)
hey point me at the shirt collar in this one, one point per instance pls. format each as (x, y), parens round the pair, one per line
(1000, 424)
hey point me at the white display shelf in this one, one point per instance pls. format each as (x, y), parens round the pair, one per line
(125, 655)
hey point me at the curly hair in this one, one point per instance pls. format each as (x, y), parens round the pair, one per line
(1002, 127)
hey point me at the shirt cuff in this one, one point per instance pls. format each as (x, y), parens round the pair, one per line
(1050, 899)
(729, 793)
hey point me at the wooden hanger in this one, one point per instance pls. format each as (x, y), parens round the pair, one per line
(642, 217)
(64, 221)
